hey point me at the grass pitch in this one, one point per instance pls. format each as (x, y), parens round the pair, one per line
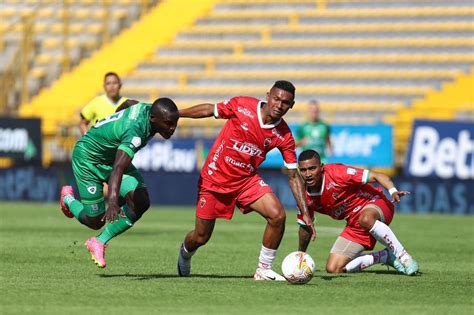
(45, 269)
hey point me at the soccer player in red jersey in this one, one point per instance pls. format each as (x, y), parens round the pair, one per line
(344, 192)
(229, 176)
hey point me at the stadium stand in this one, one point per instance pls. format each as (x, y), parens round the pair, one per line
(365, 60)
(60, 35)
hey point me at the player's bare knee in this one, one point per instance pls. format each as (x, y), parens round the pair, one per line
(141, 201)
(278, 219)
(332, 268)
(94, 224)
(366, 221)
(142, 206)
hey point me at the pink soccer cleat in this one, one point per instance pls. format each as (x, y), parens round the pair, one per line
(97, 250)
(66, 191)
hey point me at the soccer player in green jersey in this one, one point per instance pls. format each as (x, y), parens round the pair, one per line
(314, 134)
(104, 154)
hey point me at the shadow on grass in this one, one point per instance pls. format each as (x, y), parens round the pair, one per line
(167, 276)
(329, 278)
(391, 272)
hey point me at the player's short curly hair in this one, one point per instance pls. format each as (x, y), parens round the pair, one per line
(286, 86)
(308, 155)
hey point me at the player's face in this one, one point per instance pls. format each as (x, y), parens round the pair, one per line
(112, 86)
(279, 102)
(165, 126)
(312, 171)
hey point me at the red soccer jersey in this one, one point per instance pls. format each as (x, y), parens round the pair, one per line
(243, 143)
(344, 191)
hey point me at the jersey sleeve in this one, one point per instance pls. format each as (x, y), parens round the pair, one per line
(226, 109)
(131, 141)
(351, 175)
(89, 111)
(288, 151)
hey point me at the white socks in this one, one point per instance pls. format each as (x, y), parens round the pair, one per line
(362, 262)
(267, 256)
(382, 233)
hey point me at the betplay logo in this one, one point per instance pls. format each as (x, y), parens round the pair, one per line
(443, 149)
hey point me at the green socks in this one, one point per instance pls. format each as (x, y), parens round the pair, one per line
(74, 206)
(111, 229)
(116, 228)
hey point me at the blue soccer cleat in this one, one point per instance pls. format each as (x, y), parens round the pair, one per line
(394, 262)
(411, 267)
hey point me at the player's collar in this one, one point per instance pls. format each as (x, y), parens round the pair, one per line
(260, 121)
(313, 194)
(111, 102)
(322, 185)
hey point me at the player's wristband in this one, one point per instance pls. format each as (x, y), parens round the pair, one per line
(392, 190)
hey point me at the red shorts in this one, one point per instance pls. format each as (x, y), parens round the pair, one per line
(356, 233)
(212, 205)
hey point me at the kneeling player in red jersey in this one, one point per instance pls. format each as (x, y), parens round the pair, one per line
(344, 192)
(229, 176)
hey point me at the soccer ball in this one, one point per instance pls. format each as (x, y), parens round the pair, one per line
(298, 268)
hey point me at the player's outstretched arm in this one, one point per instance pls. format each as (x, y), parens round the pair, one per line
(387, 183)
(297, 187)
(121, 163)
(197, 111)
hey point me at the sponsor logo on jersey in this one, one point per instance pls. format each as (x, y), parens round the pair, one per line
(331, 185)
(356, 209)
(267, 142)
(365, 195)
(92, 189)
(337, 211)
(245, 126)
(202, 202)
(245, 111)
(262, 183)
(136, 141)
(212, 165)
(374, 198)
(240, 164)
(351, 171)
(277, 134)
(214, 158)
(247, 148)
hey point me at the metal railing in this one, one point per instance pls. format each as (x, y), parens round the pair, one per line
(14, 78)
(14, 89)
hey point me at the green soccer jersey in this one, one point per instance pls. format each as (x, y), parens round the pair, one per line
(128, 130)
(316, 133)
